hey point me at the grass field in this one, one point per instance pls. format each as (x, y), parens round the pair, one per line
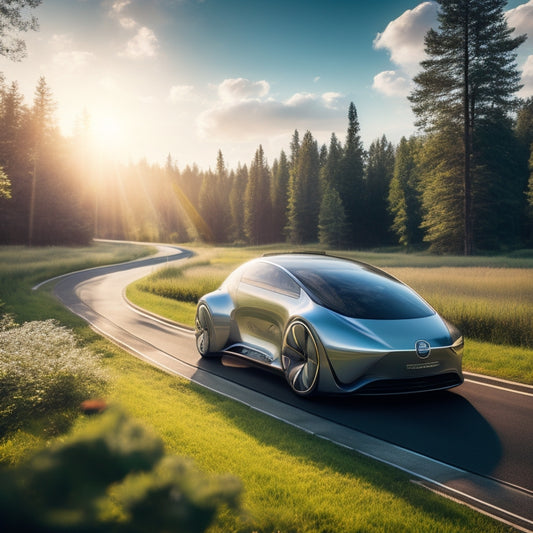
(292, 481)
(490, 303)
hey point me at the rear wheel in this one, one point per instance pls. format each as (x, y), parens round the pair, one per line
(300, 358)
(204, 331)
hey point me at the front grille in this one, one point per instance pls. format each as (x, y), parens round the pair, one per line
(403, 386)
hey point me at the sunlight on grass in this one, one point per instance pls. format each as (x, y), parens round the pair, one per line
(293, 481)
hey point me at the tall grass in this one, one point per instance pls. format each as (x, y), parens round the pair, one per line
(21, 268)
(487, 303)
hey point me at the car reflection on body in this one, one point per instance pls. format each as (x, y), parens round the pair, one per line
(331, 325)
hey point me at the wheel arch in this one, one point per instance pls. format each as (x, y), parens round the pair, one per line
(220, 306)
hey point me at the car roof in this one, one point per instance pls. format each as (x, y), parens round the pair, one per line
(295, 260)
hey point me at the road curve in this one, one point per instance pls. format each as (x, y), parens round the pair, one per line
(472, 443)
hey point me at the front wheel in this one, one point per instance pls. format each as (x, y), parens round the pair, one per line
(300, 358)
(204, 331)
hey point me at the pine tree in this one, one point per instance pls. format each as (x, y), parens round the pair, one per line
(295, 148)
(279, 196)
(42, 139)
(350, 186)
(257, 208)
(378, 175)
(440, 164)
(404, 194)
(237, 206)
(332, 220)
(470, 76)
(304, 193)
(331, 170)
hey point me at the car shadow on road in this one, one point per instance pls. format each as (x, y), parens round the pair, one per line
(442, 425)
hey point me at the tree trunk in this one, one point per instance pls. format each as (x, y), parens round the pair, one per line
(467, 140)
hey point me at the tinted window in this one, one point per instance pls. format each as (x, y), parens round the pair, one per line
(270, 277)
(358, 292)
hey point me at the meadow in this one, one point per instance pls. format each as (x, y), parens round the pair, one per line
(291, 481)
(490, 299)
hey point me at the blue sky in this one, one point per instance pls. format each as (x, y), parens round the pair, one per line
(190, 77)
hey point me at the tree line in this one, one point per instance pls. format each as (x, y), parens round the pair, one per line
(461, 184)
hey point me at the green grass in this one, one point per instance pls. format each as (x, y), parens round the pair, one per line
(21, 268)
(491, 303)
(292, 480)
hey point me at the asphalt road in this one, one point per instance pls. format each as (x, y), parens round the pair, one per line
(485, 429)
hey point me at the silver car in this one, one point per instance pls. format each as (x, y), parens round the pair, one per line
(331, 325)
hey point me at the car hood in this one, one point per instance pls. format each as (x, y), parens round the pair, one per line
(395, 335)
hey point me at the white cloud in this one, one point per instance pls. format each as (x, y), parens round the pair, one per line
(256, 115)
(119, 5)
(521, 18)
(182, 93)
(143, 44)
(527, 78)
(404, 36)
(391, 83)
(242, 89)
(127, 23)
(73, 60)
(330, 99)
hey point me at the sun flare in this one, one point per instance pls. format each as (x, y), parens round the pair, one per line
(107, 129)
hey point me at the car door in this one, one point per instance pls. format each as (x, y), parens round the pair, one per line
(265, 297)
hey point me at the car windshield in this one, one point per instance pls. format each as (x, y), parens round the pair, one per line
(357, 291)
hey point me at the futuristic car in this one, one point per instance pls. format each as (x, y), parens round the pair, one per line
(331, 325)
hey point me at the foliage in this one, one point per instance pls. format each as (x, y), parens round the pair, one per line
(65, 191)
(257, 204)
(405, 201)
(114, 464)
(279, 194)
(42, 369)
(304, 193)
(5, 185)
(468, 79)
(45, 205)
(442, 196)
(332, 227)
(351, 179)
(13, 20)
(378, 176)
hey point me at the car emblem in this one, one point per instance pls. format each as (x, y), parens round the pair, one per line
(423, 349)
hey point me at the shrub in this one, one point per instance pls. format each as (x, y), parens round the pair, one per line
(111, 476)
(42, 370)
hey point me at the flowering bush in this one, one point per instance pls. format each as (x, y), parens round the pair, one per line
(42, 369)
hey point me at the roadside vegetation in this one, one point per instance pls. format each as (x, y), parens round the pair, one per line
(278, 478)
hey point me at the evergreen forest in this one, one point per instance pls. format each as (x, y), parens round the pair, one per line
(462, 184)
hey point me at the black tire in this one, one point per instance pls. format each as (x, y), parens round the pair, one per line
(204, 331)
(300, 358)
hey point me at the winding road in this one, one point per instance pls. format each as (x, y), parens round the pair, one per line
(473, 443)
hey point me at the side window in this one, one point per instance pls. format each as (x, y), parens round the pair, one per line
(271, 278)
